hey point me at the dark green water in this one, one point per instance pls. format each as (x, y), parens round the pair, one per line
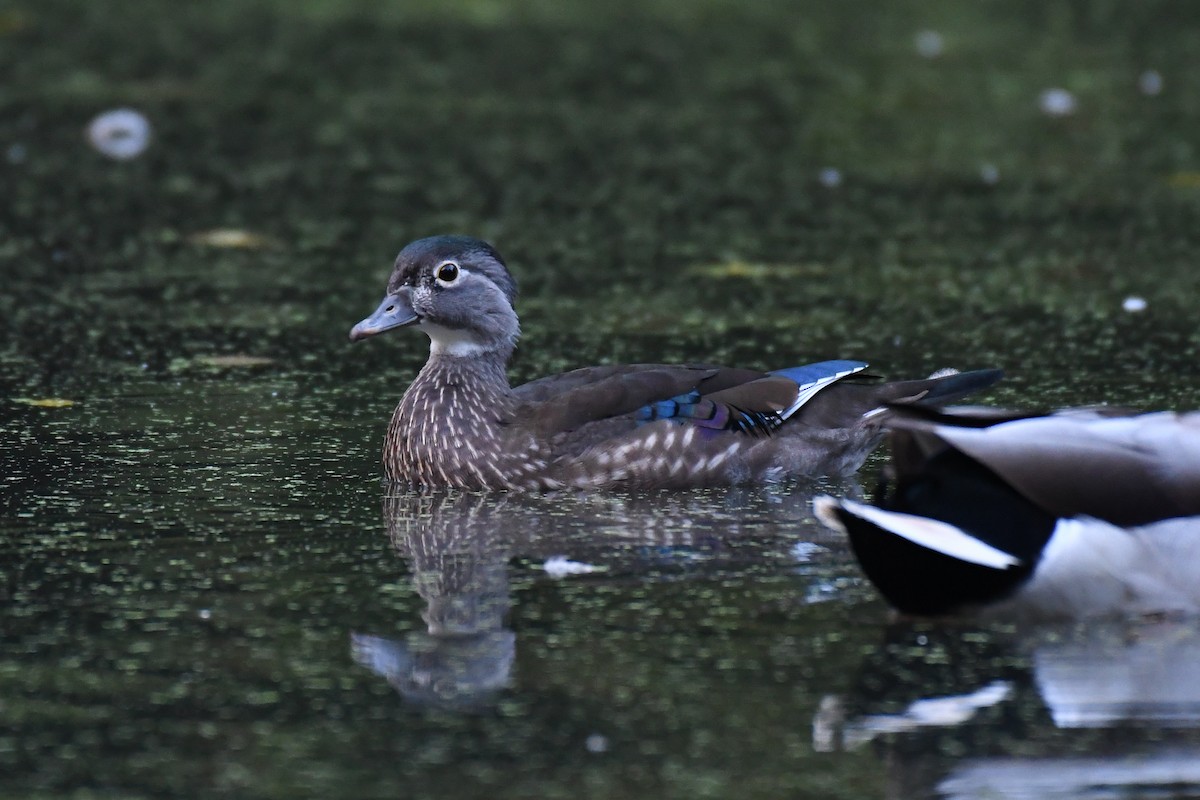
(202, 589)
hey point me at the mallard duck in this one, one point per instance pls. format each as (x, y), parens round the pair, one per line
(1078, 513)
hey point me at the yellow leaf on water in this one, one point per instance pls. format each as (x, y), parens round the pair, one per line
(44, 402)
(233, 360)
(231, 238)
(13, 22)
(1184, 180)
(737, 268)
(734, 269)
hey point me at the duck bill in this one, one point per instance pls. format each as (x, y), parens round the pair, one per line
(395, 311)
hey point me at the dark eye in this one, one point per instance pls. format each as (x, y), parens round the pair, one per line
(448, 272)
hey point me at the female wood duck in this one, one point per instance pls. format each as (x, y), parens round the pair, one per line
(1074, 514)
(460, 424)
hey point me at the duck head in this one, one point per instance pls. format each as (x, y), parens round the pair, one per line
(454, 288)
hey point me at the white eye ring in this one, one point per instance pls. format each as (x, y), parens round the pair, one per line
(447, 273)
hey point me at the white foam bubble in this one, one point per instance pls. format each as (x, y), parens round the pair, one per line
(1057, 102)
(1150, 82)
(562, 567)
(929, 44)
(122, 133)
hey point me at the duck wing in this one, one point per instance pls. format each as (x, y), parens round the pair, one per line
(1124, 469)
(561, 403)
(716, 398)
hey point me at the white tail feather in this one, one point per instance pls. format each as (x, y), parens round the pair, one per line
(933, 535)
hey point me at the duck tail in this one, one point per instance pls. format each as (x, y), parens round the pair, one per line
(946, 386)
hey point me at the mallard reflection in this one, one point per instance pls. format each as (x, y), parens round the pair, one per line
(1163, 771)
(1077, 690)
(1088, 676)
(1139, 673)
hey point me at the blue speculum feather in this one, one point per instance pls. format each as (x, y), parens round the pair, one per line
(680, 407)
(705, 414)
(807, 374)
(710, 416)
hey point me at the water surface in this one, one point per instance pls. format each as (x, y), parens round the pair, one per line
(207, 592)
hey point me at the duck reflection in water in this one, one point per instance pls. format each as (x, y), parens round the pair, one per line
(461, 547)
(456, 554)
(1114, 705)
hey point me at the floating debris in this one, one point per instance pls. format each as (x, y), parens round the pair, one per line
(736, 269)
(13, 22)
(16, 154)
(830, 177)
(45, 402)
(929, 712)
(1057, 102)
(596, 743)
(1150, 82)
(122, 134)
(929, 44)
(232, 360)
(746, 269)
(989, 174)
(805, 551)
(1134, 304)
(1184, 180)
(561, 567)
(231, 238)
